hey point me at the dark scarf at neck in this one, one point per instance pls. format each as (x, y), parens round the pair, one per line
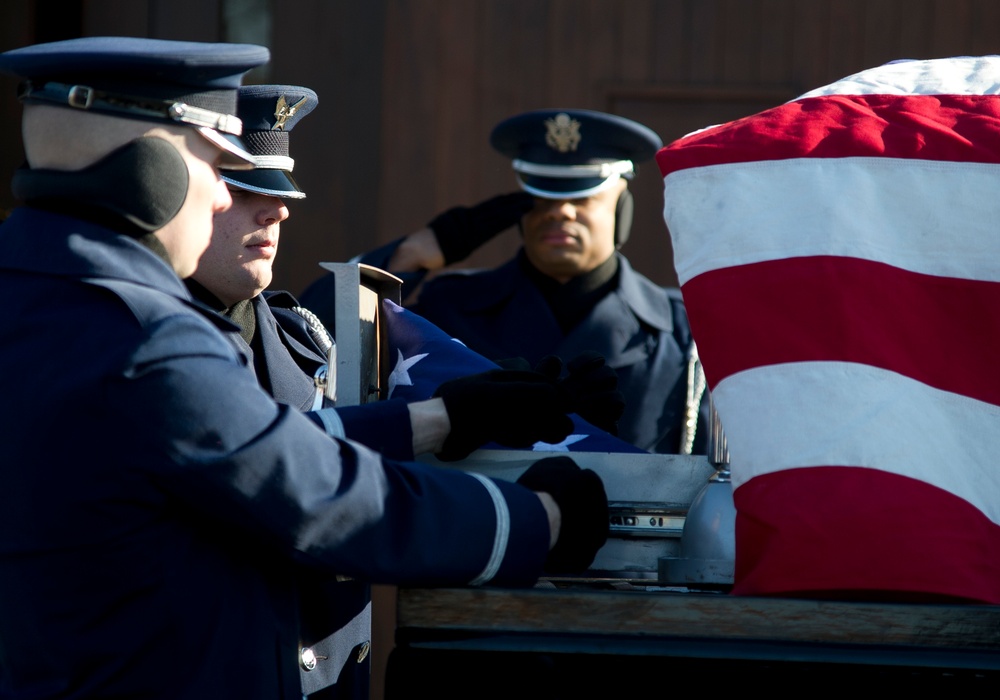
(241, 313)
(573, 300)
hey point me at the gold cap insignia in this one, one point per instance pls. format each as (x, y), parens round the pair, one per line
(282, 112)
(562, 133)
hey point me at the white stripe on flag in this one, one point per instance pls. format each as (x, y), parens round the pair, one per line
(842, 414)
(933, 217)
(966, 75)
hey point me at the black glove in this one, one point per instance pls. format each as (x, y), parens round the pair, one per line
(590, 385)
(593, 391)
(461, 230)
(514, 363)
(516, 408)
(583, 506)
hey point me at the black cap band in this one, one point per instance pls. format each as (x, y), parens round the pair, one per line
(171, 110)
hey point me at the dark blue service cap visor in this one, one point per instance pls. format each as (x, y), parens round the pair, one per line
(570, 181)
(273, 183)
(222, 130)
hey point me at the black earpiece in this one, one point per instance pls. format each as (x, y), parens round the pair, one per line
(145, 182)
(623, 217)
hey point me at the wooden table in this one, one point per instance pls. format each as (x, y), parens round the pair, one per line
(603, 641)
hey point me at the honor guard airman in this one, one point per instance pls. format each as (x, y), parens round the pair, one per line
(156, 505)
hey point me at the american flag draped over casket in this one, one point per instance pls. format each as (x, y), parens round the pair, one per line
(839, 256)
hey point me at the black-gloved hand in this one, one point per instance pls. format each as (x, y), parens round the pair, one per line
(590, 384)
(513, 407)
(593, 390)
(514, 363)
(461, 230)
(583, 507)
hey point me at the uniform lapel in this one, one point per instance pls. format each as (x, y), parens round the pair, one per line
(613, 328)
(289, 382)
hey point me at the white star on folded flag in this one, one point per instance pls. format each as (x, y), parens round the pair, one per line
(401, 372)
(557, 446)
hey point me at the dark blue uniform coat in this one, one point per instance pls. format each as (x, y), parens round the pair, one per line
(641, 330)
(335, 615)
(155, 502)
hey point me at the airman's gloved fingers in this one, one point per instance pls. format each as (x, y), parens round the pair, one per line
(514, 363)
(593, 390)
(511, 407)
(583, 508)
(603, 412)
(551, 366)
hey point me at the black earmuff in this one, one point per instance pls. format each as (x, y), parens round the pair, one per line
(623, 217)
(145, 182)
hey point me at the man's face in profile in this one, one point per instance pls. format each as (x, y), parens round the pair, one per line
(237, 264)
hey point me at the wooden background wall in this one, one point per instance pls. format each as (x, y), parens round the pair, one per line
(409, 89)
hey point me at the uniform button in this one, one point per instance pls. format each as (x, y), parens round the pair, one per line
(307, 657)
(363, 651)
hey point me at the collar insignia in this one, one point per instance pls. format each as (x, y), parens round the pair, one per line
(282, 112)
(562, 133)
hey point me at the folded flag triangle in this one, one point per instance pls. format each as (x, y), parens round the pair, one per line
(422, 356)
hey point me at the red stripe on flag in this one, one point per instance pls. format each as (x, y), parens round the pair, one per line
(964, 128)
(827, 529)
(829, 308)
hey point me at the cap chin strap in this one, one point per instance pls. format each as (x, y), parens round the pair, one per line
(145, 182)
(606, 170)
(87, 98)
(221, 129)
(274, 163)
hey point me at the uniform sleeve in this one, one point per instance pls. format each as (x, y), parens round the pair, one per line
(213, 440)
(384, 426)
